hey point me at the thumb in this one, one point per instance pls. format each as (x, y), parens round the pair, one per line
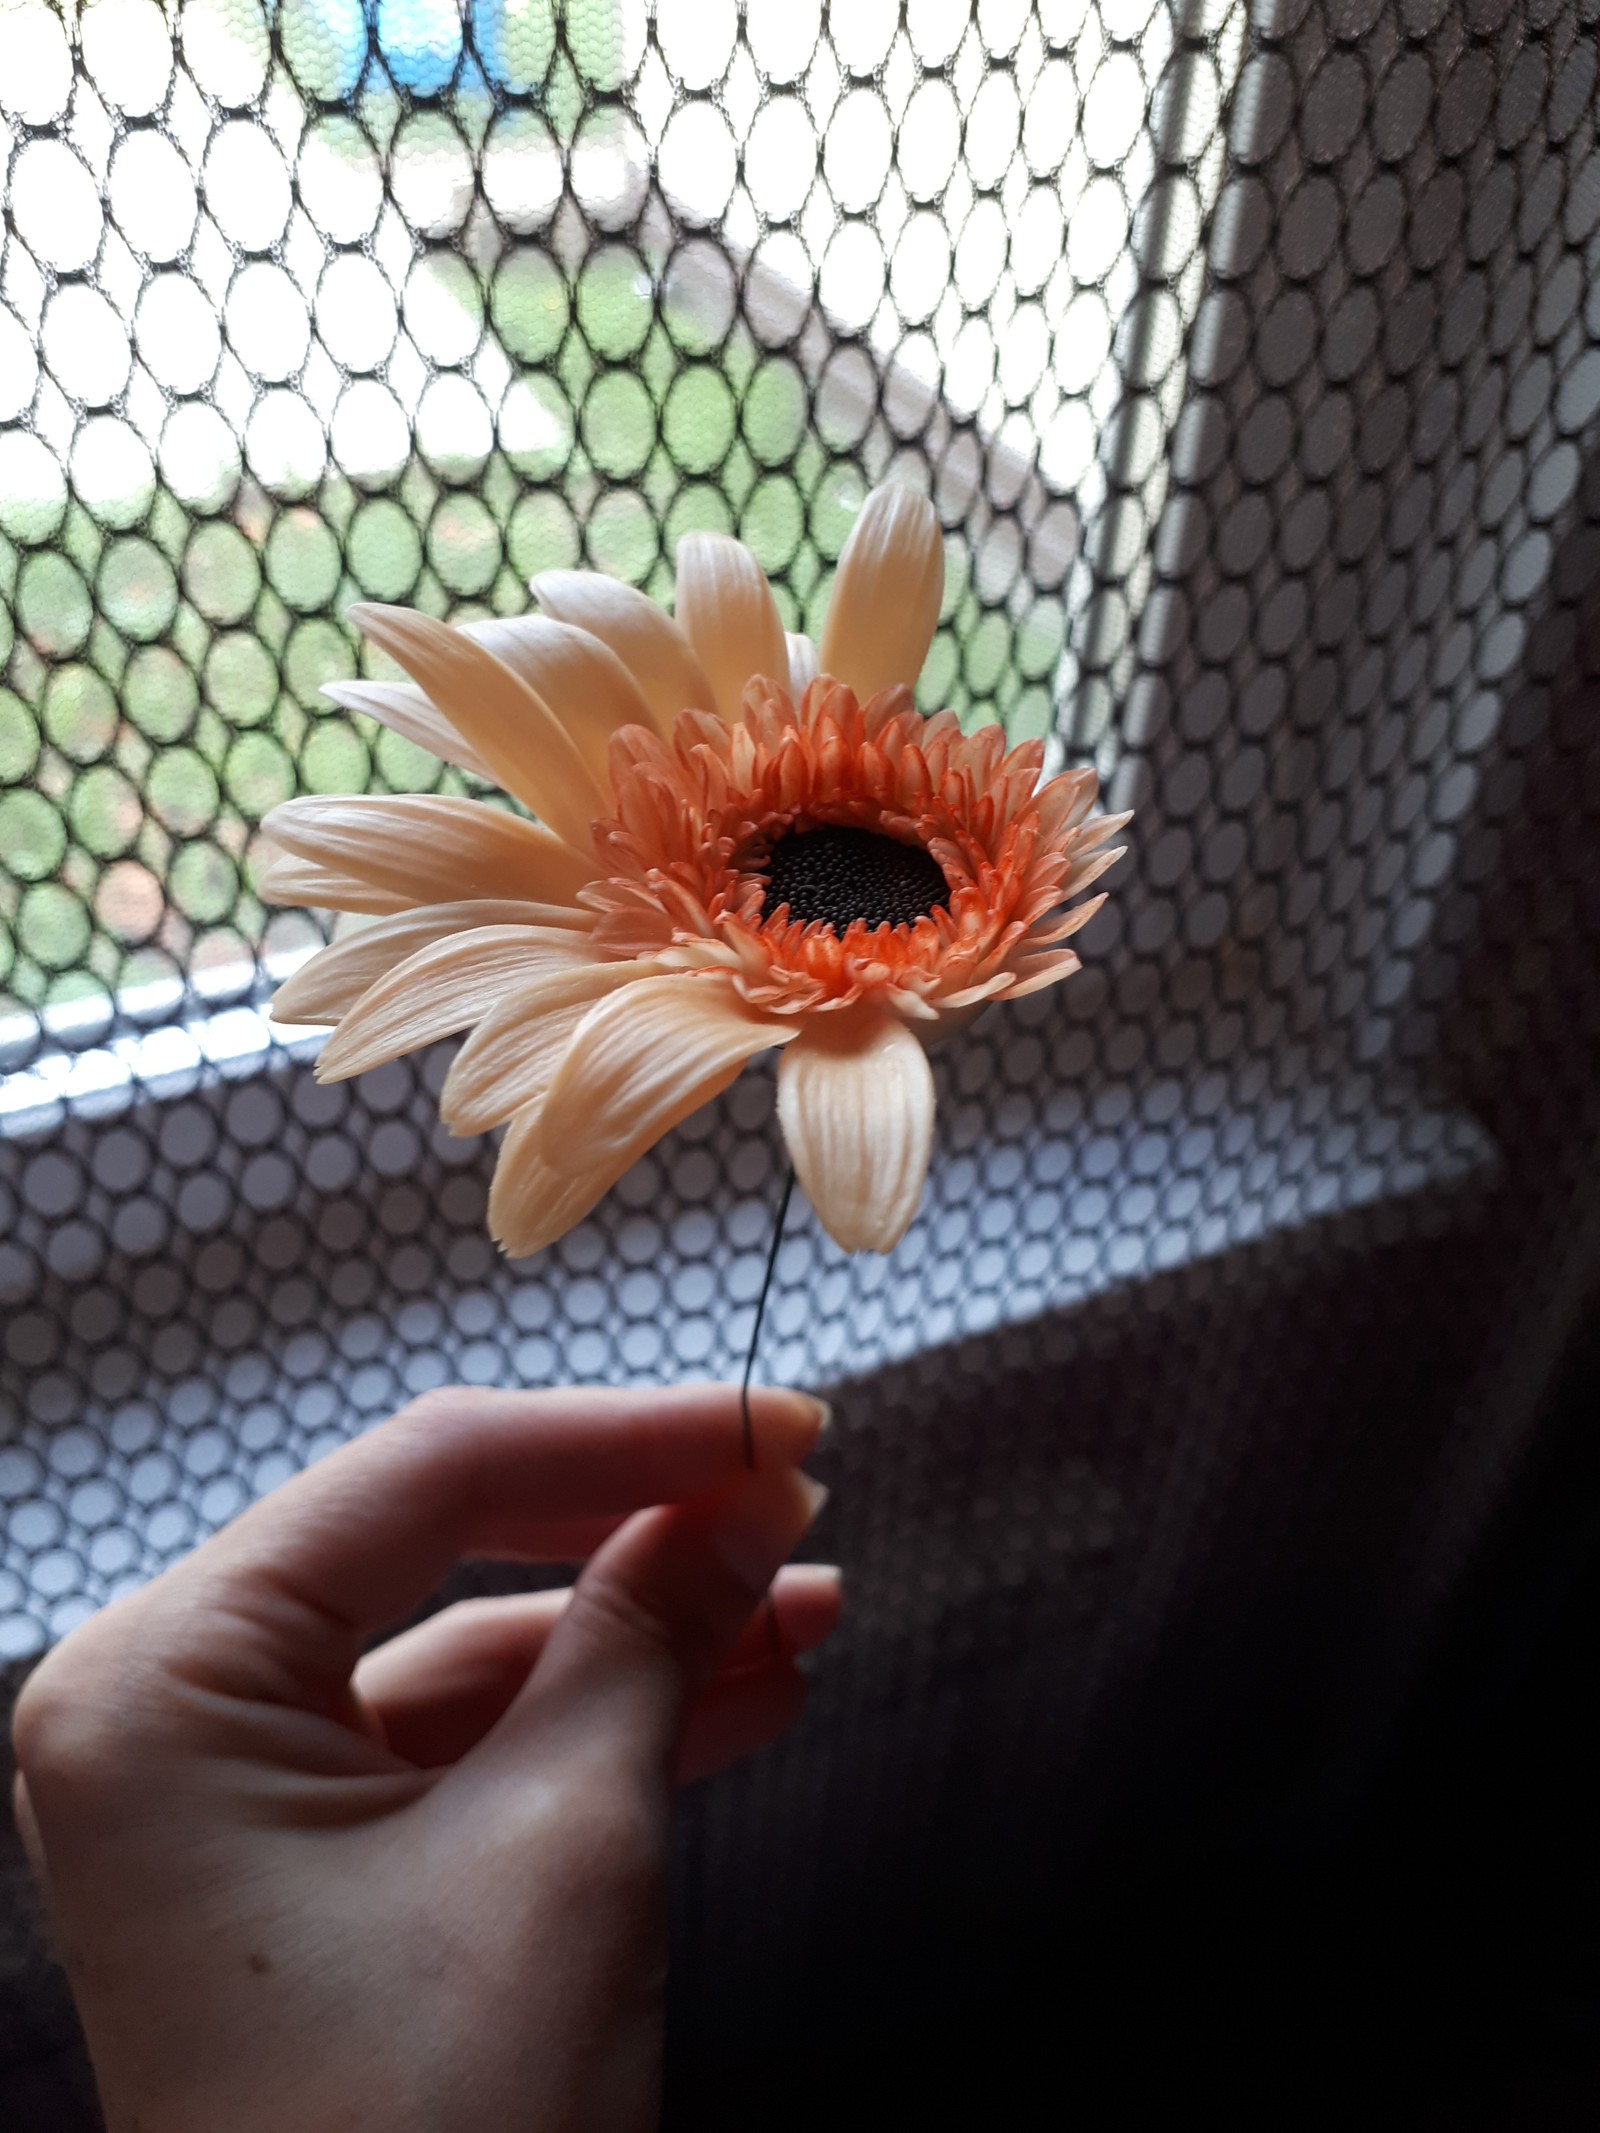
(654, 1615)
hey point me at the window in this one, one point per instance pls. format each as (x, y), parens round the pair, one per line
(304, 302)
(1249, 355)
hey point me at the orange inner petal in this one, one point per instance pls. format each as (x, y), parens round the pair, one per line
(687, 853)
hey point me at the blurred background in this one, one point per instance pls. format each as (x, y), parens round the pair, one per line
(1216, 1476)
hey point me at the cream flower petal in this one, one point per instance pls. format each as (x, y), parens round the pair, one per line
(441, 989)
(409, 711)
(645, 638)
(582, 680)
(855, 1101)
(884, 607)
(504, 1076)
(804, 666)
(335, 978)
(509, 724)
(531, 1205)
(643, 1060)
(530, 1202)
(513, 1053)
(304, 886)
(424, 848)
(726, 610)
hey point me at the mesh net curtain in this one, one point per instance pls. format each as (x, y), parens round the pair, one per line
(1251, 356)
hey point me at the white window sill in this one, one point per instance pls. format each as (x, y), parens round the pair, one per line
(102, 1080)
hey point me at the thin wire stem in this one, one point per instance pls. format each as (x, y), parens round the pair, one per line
(761, 1312)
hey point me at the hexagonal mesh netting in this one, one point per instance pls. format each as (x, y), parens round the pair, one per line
(1251, 355)
(306, 303)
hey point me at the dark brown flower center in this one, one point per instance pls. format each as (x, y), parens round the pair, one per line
(835, 874)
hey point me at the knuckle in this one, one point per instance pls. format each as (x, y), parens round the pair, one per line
(65, 1728)
(432, 1410)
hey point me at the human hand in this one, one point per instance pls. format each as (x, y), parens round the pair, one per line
(301, 1889)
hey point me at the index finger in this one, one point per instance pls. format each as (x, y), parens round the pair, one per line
(280, 1602)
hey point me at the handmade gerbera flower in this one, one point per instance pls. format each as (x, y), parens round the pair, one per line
(741, 844)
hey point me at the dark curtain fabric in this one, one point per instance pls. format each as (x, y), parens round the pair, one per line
(1216, 1471)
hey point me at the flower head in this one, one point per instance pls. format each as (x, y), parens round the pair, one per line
(742, 844)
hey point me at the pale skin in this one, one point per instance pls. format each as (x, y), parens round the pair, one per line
(420, 1890)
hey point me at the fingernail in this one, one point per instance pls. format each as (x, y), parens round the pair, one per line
(787, 1424)
(815, 1494)
(817, 1414)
